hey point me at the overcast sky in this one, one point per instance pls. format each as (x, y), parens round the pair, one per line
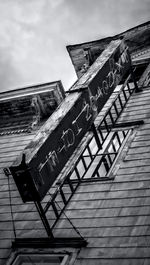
(34, 35)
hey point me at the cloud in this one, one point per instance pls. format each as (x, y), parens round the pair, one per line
(33, 35)
(55, 3)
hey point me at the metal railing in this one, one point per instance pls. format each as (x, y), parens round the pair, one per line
(92, 164)
(98, 156)
(114, 112)
(95, 162)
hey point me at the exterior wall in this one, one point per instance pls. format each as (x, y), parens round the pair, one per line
(114, 215)
(10, 147)
(13, 139)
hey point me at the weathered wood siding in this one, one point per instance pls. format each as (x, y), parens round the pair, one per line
(114, 216)
(25, 221)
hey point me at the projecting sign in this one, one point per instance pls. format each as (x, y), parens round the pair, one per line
(48, 153)
(110, 75)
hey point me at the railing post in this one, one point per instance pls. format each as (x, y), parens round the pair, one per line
(111, 117)
(96, 136)
(116, 109)
(55, 209)
(104, 160)
(70, 185)
(63, 196)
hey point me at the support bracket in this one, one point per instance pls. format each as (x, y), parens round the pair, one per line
(59, 242)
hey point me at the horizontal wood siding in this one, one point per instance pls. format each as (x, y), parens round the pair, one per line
(10, 147)
(114, 216)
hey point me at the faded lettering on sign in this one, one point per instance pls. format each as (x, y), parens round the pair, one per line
(109, 77)
(63, 141)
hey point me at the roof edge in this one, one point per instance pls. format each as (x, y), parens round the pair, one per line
(23, 91)
(69, 47)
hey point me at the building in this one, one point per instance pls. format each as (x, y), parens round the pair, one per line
(75, 168)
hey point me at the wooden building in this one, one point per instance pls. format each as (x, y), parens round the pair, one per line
(75, 168)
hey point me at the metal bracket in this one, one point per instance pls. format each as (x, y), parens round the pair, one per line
(126, 124)
(7, 171)
(74, 242)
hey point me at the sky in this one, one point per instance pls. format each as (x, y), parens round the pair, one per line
(34, 35)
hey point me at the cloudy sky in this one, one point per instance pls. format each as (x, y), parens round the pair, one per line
(34, 35)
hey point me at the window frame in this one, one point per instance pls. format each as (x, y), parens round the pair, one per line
(101, 153)
(19, 258)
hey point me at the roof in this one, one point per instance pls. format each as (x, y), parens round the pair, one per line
(21, 110)
(82, 55)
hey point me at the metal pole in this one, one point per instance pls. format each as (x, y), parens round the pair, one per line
(44, 219)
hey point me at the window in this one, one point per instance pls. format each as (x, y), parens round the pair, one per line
(40, 259)
(96, 162)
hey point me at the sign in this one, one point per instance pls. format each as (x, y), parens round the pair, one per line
(109, 76)
(47, 154)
